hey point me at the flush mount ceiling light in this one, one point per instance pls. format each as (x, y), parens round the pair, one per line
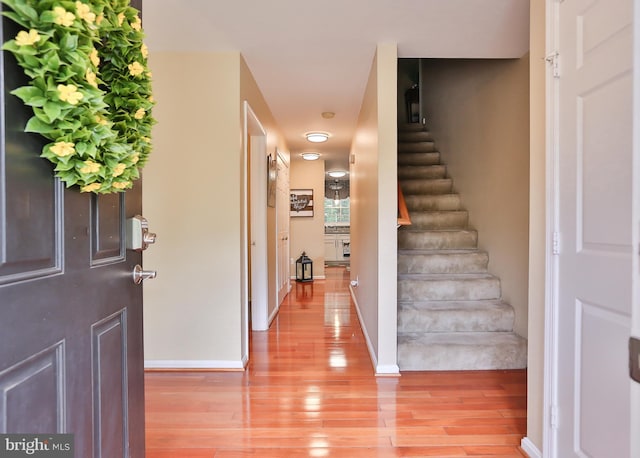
(310, 156)
(317, 137)
(337, 173)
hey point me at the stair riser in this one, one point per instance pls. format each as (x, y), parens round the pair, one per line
(504, 355)
(433, 203)
(425, 172)
(411, 127)
(458, 320)
(421, 187)
(419, 136)
(437, 240)
(458, 263)
(448, 289)
(419, 159)
(439, 220)
(416, 147)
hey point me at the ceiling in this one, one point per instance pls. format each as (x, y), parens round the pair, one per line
(311, 57)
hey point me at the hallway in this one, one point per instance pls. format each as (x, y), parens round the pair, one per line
(309, 391)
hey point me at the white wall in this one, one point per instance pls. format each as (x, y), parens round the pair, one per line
(478, 112)
(374, 210)
(537, 227)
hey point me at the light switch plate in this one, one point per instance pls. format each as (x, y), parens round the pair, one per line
(634, 358)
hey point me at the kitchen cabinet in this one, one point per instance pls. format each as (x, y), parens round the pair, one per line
(337, 247)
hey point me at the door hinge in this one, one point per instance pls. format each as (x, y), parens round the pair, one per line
(554, 416)
(555, 248)
(554, 60)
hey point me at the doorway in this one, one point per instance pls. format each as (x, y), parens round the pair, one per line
(256, 285)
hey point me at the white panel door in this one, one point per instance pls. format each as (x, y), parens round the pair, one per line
(635, 330)
(594, 224)
(282, 211)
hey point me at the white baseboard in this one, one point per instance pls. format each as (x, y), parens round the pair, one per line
(194, 364)
(372, 353)
(387, 370)
(530, 449)
(273, 315)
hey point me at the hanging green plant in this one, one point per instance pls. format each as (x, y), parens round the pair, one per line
(89, 88)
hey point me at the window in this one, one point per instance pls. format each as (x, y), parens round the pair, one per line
(336, 213)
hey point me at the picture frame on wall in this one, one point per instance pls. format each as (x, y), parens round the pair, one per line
(300, 202)
(272, 178)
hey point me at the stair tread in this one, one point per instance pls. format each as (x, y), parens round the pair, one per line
(411, 127)
(446, 276)
(461, 338)
(430, 166)
(447, 230)
(417, 142)
(454, 305)
(439, 212)
(453, 251)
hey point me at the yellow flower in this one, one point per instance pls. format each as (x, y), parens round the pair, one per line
(93, 55)
(99, 19)
(27, 38)
(121, 184)
(63, 149)
(63, 17)
(120, 19)
(91, 78)
(144, 50)
(84, 12)
(136, 24)
(149, 75)
(151, 99)
(90, 187)
(136, 68)
(140, 113)
(135, 158)
(145, 139)
(69, 93)
(100, 120)
(90, 167)
(119, 169)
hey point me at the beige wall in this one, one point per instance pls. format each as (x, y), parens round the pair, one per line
(478, 111)
(194, 308)
(307, 233)
(374, 210)
(537, 227)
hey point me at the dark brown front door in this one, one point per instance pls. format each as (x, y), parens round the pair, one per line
(71, 355)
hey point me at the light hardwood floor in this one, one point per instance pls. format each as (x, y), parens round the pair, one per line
(310, 391)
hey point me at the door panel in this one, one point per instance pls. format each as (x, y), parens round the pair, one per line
(107, 234)
(282, 211)
(71, 355)
(35, 384)
(594, 285)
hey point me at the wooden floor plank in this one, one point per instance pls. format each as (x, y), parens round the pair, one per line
(310, 391)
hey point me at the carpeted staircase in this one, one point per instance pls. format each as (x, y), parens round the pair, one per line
(450, 312)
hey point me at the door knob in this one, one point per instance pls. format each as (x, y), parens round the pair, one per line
(139, 275)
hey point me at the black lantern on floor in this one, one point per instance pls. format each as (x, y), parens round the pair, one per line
(304, 268)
